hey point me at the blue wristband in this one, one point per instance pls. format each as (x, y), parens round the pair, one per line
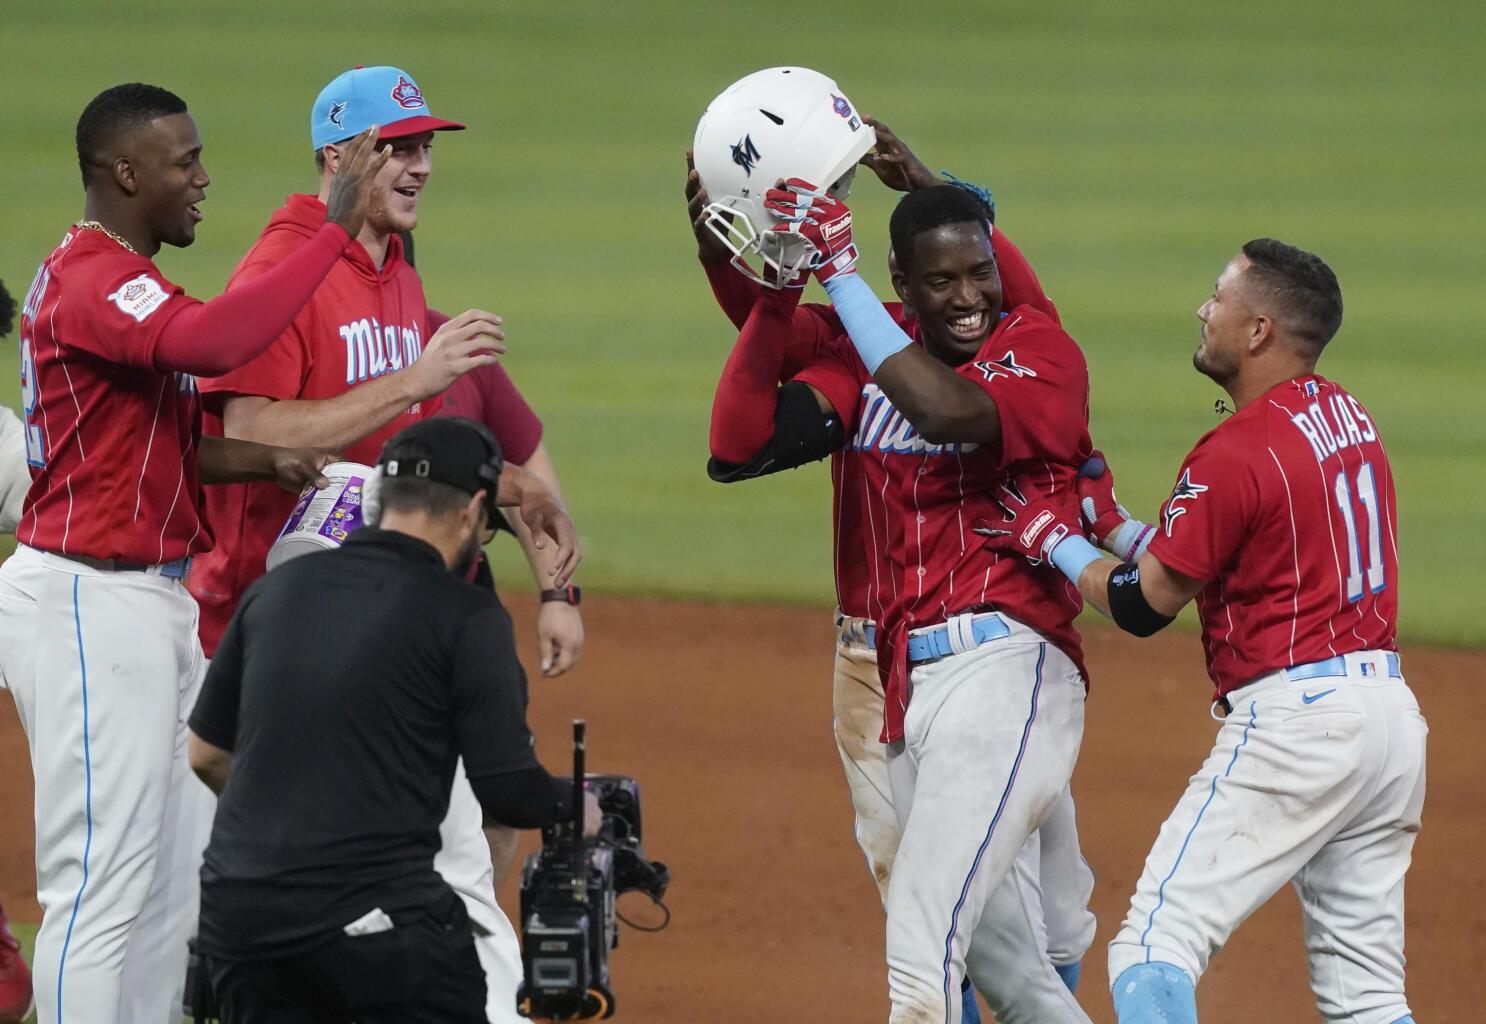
(874, 333)
(1073, 555)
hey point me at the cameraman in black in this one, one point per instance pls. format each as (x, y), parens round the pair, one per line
(343, 691)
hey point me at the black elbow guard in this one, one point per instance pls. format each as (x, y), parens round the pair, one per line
(802, 434)
(1128, 606)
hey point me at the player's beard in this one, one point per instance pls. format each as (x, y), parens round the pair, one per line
(1212, 362)
(469, 550)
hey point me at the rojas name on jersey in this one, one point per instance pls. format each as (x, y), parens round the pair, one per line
(1334, 423)
(883, 428)
(373, 349)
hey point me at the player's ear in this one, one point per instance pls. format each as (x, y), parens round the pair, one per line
(1261, 333)
(330, 158)
(900, 285)
(123, 171)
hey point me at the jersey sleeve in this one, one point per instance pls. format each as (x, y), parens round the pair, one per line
(116, 308)
(1019, 284)
(1210, 514)
(1040, 382)
(488, 395)
(488, 696)
(836, 371)
(279, 371)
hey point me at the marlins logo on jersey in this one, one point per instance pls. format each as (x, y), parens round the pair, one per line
(1185, 490)
(1006, 366)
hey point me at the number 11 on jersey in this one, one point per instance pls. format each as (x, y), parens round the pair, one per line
(1367, 493)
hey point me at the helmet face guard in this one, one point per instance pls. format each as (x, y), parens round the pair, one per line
(777, 123)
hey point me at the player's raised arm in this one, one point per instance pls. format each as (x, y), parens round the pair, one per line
(758, 426)
(208, 339)
(942, 405)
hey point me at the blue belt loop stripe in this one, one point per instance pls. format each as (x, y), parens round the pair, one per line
(1213, 792)
(954, 917)
(1394, 671)
(88, 796)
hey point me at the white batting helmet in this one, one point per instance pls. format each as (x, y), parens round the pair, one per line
(776, 123)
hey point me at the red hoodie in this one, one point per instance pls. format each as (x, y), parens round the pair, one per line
(361, 324)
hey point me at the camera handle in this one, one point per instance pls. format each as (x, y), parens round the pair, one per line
(580, 757)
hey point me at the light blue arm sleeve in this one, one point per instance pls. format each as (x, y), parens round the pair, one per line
(873, 331)
(1073, 555)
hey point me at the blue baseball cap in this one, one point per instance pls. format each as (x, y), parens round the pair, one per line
(362, 97)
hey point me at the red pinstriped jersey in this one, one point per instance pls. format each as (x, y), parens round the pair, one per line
(1287, 512)
(850, 520)
(919, 502)
(111, 440)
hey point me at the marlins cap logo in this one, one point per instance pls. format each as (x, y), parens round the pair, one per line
(337, 113)
(406, 94)
(746, 155)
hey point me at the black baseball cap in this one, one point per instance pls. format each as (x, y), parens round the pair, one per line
(448, 450)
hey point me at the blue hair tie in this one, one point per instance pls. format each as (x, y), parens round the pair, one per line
(978, 191)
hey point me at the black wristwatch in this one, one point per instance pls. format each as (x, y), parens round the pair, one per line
(567, 595)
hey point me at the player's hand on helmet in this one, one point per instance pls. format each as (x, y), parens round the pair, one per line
(895, 164)
(1102, 513)
(593, 815)
(294, 469)
(355, 176)
(822, 222)
(559, 637)
(473, 338)
(1032, 523)
(710, 249)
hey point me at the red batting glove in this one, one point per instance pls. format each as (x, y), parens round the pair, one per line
(1102, 513)
(823, 222)
(1032, 523)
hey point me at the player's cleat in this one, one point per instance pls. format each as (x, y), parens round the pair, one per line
(1155, 991)
(1069, 973)
(969, 1009)
(15, 977)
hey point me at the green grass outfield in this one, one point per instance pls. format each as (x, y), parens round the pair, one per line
(1132, 148)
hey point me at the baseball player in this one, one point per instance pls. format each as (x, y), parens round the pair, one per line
(351, 371)
(738, 433)
(1282, 526)
(15, 976)
(97, 632)
(944, 415)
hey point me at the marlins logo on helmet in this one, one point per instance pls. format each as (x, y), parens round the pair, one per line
(746, 154)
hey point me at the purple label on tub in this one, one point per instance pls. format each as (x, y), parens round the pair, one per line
(332, 513)
(345, 516)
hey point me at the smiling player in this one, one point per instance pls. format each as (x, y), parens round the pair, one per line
(1282, 527)
(97, 631)
(361, 362)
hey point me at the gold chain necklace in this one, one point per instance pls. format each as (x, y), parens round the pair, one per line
(93, 225)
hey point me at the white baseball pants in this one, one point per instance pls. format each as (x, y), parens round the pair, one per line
(464, 862)
(1320, 783)
(990, 741)
(1066, 881)
(104, 667)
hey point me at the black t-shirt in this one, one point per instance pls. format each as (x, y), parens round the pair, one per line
(346, 686)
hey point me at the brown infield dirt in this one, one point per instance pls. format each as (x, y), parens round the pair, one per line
(723, 713)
